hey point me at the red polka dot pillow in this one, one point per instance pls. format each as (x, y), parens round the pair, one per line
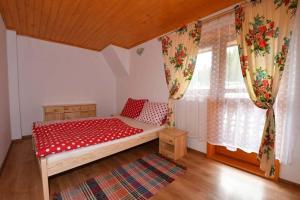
(153, 113)
(133, 107)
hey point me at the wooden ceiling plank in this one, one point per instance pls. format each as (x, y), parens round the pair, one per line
(98, 27)
(87, 23)
(21, 17)
(8, 10)
(14, 13)
(27, 17)
(176, 21)
(175, 18)
(37, 12)
(78, 23)
(147, 24)
(39, 15)
(45, 15)
(30, 9)
(67, 25)
(117, 16)
(5, 14)
(126, 27)
(61, 19)
(50, 31)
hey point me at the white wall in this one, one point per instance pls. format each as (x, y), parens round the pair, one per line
(118, 59)
(5, 139)
(13, 82)
(146, 78)
(52, 73)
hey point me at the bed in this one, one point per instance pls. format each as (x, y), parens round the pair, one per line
(59, 162)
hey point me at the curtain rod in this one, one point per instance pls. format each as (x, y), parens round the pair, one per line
(222, 13)
(216, 15)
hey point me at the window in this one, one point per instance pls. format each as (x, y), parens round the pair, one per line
(216, 106)
(234, 78)
(201, 76)
(234, 82)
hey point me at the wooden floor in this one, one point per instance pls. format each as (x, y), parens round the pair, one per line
(205, 179)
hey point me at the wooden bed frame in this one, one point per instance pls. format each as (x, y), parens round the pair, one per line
(56, 167)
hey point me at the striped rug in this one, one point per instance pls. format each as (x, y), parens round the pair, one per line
(140, 179)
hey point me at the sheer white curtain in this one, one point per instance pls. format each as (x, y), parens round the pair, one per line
(292, 94)
(216, 104)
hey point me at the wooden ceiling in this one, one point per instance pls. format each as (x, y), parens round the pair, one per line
(94, 24)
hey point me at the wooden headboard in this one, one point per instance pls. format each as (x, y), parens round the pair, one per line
(69, 111)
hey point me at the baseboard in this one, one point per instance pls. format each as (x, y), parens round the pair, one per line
(26, 137)
(196, 151)
(4, 161)
(288, 182)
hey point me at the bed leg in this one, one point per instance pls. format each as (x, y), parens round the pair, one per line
(44, 175)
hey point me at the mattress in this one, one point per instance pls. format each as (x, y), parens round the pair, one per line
(147, 129)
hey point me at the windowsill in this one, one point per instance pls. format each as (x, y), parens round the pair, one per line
(240, 164)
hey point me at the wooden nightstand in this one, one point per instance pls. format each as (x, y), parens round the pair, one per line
(172, 143)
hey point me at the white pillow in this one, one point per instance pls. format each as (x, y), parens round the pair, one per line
(153, 113)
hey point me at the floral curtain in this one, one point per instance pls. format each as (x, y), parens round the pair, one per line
(180, 49)
(263, 35)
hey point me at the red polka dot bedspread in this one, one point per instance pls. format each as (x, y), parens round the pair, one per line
(62, 136)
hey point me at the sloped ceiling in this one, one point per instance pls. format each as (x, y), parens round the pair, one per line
(118, 60)
(94, 24)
